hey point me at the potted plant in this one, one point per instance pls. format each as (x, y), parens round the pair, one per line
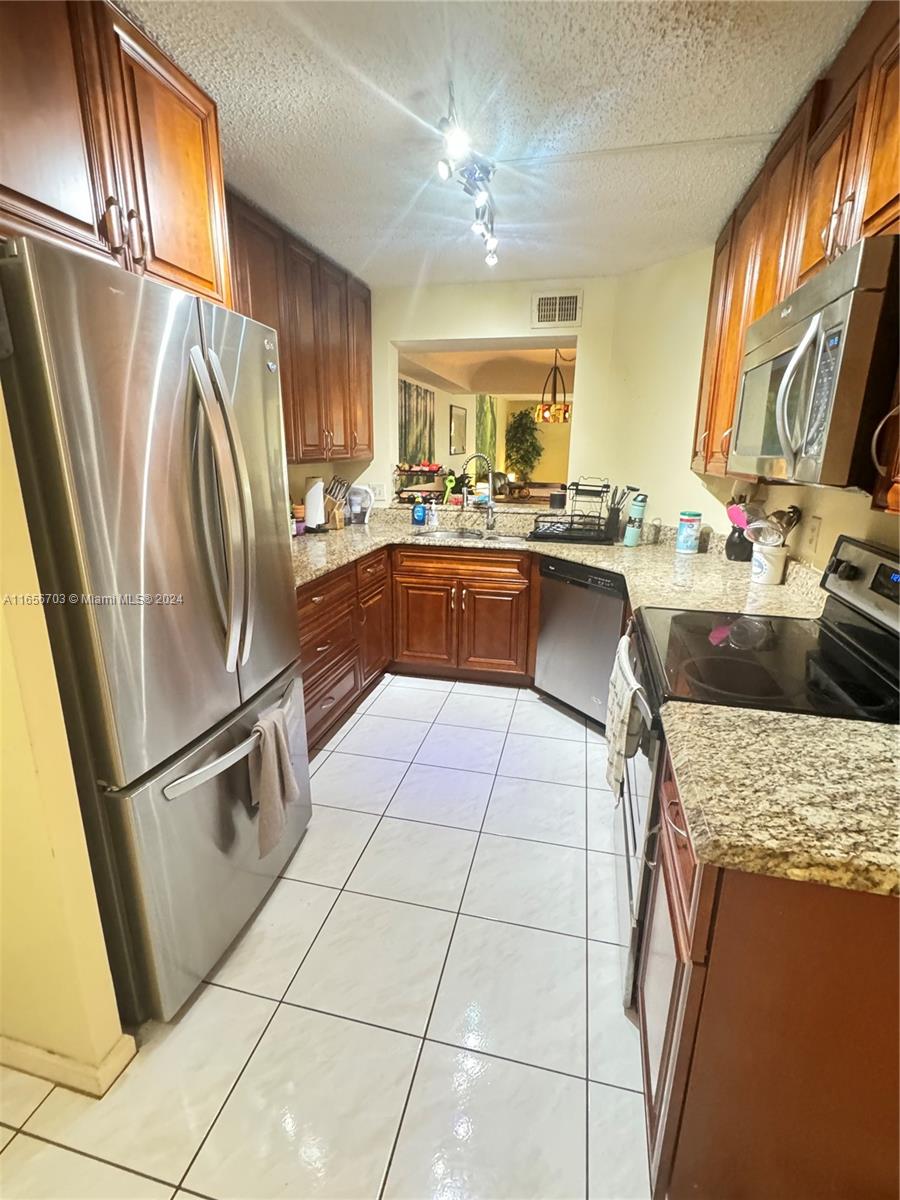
(523, 446)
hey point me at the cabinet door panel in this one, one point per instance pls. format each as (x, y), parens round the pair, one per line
(334, 357)
(712, 346)
(56, 167)
(257, 248)
(425, 621)
(828, 199)
(168, 131)
(493, 626)
(741, 284)
(301, 303)
(778, 247)
(359, 322)
(881, 205)
(375, 632)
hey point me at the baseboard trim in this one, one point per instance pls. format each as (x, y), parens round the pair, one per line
(69, 1072)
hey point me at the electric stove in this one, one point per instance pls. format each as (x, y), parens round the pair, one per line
(843, 664)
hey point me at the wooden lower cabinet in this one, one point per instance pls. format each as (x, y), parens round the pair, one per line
(470, 612)
(769, 1012)
(493, 626)
(425, 625)
(331, 694)
(375, 632)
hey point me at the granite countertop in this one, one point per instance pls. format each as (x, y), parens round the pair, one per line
(783, 794)
(800, 797)
(654, 575)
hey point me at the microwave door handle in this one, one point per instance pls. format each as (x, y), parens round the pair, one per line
(248, 524)
(787, 379)
(231, 508)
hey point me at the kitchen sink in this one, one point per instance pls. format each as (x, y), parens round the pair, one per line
(466, 534)
(503, 537)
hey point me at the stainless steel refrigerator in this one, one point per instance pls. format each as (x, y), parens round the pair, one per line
(148, 433)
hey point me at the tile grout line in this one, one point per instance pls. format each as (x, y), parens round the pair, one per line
(107, 1162)
(403, 1111)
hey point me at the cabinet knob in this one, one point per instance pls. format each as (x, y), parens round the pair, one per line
(136, 237)
(321, 649)
(316, 599)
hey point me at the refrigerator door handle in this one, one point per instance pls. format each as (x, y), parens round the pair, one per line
(231, 504)
(187, 783)
(248, 524)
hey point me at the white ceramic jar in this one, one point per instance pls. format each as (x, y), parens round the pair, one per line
(768, 564)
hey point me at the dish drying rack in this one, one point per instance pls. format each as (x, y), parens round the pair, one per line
(589, 516)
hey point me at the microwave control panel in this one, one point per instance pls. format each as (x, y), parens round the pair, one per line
(823, 391)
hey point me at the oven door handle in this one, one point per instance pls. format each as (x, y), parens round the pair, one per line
(784, 434)
(639, 696)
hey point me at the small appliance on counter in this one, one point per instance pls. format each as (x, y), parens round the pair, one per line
(361, 499)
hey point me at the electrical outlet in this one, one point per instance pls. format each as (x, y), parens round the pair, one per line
(379, 491)
(811, 540)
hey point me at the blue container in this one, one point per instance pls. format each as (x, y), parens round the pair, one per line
(418, 513)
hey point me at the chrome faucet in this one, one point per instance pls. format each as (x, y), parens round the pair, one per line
(491, 517)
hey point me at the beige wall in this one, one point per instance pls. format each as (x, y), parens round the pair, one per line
(58, 1015)
(638, 362)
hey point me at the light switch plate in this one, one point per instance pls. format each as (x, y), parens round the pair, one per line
(378, 491)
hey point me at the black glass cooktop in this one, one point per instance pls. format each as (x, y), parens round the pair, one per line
(828, 667)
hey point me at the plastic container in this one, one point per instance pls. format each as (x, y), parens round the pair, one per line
(687, 539)
(635, 520)
(768, 564)
(418, 513)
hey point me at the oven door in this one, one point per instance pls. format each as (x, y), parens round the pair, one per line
(636, 827)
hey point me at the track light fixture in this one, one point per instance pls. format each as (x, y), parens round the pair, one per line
(473, 173)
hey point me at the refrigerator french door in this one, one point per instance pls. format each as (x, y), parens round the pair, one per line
(147, 429)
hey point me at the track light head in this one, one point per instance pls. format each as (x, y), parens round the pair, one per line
(481, 197)
(491, 243)
(491, 258)
(456, 143)
(444, 170)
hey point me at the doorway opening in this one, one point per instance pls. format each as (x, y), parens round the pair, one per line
(493, 396)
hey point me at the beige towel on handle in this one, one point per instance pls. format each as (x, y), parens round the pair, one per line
(623, 720)
(273, 784)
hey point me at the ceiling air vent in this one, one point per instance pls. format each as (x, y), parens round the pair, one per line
(553, 308)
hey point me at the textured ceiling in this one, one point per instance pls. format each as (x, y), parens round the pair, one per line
(501, 371)
(624, 132)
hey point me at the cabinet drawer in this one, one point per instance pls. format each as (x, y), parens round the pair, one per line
(326, 596)
(372, 570)
(464, 564)
(330, 695)
(326, 642)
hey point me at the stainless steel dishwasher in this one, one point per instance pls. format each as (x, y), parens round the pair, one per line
(582, 611)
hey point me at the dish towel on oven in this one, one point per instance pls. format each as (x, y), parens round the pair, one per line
(623, 720)
(273, 784)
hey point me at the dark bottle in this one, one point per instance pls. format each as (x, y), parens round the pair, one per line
(737, 548)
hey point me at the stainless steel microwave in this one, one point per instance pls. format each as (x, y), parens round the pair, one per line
(818, 372)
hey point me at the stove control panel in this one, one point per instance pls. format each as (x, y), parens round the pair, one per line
(867, 578)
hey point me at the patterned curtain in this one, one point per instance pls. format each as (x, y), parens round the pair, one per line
(485, 430)
(416, 423)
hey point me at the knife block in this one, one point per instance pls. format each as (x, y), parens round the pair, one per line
(334, 513)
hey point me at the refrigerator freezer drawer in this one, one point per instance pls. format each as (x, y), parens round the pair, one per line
(190, 864)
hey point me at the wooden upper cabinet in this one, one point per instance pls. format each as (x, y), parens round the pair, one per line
(879, 185)
(301, 301)
(168, 143)
(258, 284)
(359, 324)
(712, 345)
(743, 265)
(828, 195)
(778, 242)
(334, 377)
(57, 173)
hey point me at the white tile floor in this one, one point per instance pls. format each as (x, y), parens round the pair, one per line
(427, 1007)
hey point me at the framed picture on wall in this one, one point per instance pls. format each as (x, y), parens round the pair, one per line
(457, 429)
